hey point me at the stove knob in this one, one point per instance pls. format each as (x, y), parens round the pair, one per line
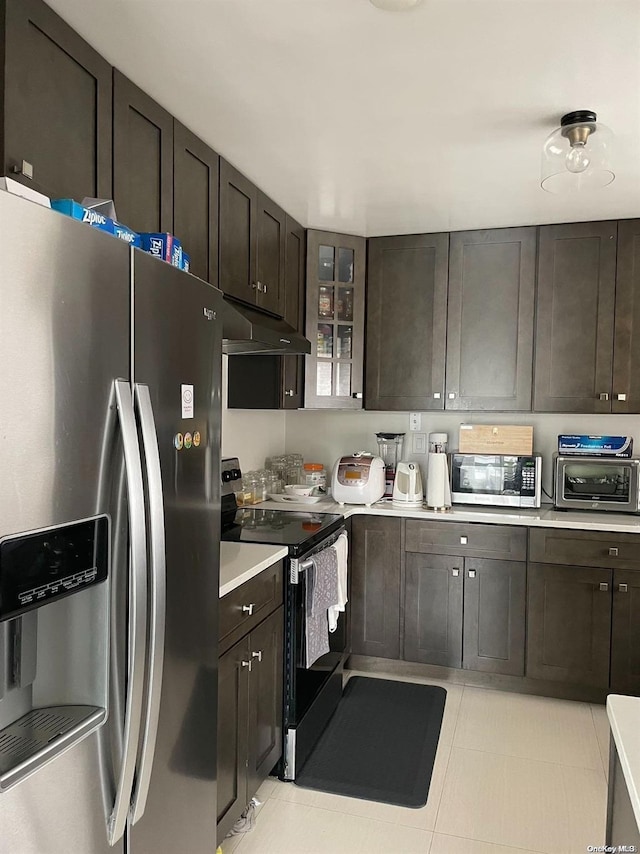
(226, 476)
(236, 474)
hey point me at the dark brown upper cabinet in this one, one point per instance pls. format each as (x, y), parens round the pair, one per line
(57, 105)
(293, 366)
(252, 243)
(490, 319)
(626, 353)
(196, 169)
(142, 159)
(575, 317)
(406, 322)
(335, 320)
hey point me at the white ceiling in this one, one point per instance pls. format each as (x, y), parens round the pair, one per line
(359, 120)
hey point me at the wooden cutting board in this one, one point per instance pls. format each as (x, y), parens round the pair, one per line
(495, 439)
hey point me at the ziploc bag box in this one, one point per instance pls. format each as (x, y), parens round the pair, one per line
(76, 211)
(125, 233)
(595, 446)
(176, 253)
(161, 245)
(186, 262)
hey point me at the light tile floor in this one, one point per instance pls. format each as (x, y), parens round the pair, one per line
(514, 774)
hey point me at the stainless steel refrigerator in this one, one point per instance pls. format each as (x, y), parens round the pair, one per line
(110, 374)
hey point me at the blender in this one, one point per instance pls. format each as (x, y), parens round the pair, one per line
(390, 449)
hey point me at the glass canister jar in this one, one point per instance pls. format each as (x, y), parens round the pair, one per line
(315, 475)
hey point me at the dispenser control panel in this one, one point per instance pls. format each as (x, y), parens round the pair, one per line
(38, 567)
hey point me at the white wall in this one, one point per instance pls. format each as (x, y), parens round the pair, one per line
(325, 436)
(250, 434)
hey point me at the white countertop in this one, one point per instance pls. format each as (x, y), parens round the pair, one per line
(545, 517)
(240, 562)
(624, 720)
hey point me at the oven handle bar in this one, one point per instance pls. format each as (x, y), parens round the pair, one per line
(296, 566)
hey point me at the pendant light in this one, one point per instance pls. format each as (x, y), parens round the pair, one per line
(576, 156)
(396, 5)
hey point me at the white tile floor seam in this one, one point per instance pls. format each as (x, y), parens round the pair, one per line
(514, 774)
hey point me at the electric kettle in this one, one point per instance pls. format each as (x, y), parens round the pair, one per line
(407, 487)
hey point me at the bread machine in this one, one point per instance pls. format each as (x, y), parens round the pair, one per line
(358, 479)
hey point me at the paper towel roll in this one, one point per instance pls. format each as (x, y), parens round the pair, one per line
(438, 487)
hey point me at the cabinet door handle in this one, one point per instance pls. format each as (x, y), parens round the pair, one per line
(451, 395)
(436, 395)
(621, 396)
(254, 286)
(25, 169)
(613, 552)
(257, 655)
(357, 395)
(463, 541)
(471, 573)
(248, 664)
(248, 609)
(604, 586)
(455, 572)
(264, 289)
(288, 392)
(604, 395)
(623, 588)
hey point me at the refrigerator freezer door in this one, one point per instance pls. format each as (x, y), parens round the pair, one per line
(64, 337)
(177, 354)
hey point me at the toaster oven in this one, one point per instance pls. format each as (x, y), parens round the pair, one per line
(597, 483)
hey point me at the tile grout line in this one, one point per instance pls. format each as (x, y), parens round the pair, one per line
(497, 845)
(446, 769)
(602, 758)
(526, 758)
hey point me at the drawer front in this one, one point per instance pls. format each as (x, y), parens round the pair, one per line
(584, 548)
(500, 542)
(247, 605)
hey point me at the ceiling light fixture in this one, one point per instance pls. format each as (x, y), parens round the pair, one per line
(576, 156)
(396, 5)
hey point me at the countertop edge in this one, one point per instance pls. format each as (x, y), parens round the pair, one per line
(623, 713)
(250, 567)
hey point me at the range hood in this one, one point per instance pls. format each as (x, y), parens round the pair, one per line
(245, 331)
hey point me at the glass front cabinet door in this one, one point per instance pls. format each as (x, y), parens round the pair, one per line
(335, 320)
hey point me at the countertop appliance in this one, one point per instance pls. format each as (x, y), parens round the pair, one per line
(407, 487)
(111, 377)
(358, 479)
(310, 695)
(390, 450)
(500, 480)
(597, 483)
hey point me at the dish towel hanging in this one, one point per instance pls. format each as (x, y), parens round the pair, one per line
(341, 546)
(322, 593)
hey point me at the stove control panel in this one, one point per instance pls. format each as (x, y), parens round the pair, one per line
(230, 474)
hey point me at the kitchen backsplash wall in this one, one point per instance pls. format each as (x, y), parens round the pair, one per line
(250, 434)
(324, 436)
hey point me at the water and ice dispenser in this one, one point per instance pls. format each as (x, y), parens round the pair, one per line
(54, 642)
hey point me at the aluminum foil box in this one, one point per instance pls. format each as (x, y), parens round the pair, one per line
(595, 446)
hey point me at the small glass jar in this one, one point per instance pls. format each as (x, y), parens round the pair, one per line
(315, 475)
(293, 474)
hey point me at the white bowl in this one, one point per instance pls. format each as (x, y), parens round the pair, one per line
(298, 489)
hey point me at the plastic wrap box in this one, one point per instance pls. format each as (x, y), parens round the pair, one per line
(595, 446)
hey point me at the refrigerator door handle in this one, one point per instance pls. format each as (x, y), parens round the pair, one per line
(137, 610)
(157, 591)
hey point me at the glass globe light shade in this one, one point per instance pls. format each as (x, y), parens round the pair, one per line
(577, 155)
(396, 5)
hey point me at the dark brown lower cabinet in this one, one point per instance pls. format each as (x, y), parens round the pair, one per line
(625, 631)
(465, 612)
(375, 586)
(433, 609)
(569, 624)
(250, 691)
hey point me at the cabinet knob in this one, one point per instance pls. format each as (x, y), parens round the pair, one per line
(623, 588)
(25, 169)
(264, 289)
(451, 395)
(248, 664)
(621, 396)
(257, 655)
(463, 541)
(604, 586)
(248, 608)
(613, 552)
(472, 573)
(288, 392)
(455, 572)
(436, 395)
(357, 395)
(604, 395)
(255, 286)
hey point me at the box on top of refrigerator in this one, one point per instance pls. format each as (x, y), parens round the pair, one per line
(162, 245)
(71, 208)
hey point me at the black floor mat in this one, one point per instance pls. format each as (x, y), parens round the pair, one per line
(380, 744)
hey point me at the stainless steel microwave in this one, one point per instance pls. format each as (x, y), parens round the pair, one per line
(597, 483)
(500, 480)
